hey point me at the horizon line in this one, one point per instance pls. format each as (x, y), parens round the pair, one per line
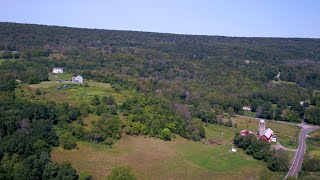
(158, 32)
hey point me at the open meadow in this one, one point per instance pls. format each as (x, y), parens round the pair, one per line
(179, 159)
(157, 159)
(74, 94)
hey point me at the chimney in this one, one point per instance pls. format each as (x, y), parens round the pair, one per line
(262, 126)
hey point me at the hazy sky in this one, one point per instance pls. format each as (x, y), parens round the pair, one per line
(271, 18)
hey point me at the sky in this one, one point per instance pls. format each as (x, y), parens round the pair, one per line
(249, 18)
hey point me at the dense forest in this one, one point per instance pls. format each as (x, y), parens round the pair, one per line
(180, 81)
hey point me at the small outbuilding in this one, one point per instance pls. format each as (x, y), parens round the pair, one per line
(77, 79)
(246, 108)
(244, 132)
(232, 149)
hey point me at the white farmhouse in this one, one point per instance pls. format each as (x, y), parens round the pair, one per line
(77, 79)
(57, 70)
(246, 108)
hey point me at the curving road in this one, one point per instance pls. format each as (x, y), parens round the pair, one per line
(298, 158)
(299, 155)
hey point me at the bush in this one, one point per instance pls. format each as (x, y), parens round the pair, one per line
(127, 130)
(311, 165)
(68, 141)
(38, 92)
(122, 173)
(136, 128)
(109, 141)
(279, 161)
(166, 134)
(57, 171)
(85, 176)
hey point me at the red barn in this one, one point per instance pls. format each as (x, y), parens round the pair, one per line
(267, 135)
(244, 132)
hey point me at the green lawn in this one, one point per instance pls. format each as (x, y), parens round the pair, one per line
(249, 114)
(3, 60)
(60, 76)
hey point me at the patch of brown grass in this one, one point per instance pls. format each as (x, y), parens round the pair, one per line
(153, 158)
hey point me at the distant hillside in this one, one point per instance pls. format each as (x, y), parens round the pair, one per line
(195, 74)
(18, 36)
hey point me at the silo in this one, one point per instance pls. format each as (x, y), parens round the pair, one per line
(262, 126)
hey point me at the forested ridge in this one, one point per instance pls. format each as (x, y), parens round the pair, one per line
(179, 83)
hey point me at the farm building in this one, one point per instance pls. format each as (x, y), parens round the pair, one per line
(246, 108)
(77, 79)
(263, 133)
(57, 70)
(267, 135)
(245, 132)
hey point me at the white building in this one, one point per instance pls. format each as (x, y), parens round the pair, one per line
(77, 79)
(262, 127)
(57, 70)
(246, 108)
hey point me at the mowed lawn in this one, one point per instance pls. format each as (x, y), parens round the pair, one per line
(153, 158)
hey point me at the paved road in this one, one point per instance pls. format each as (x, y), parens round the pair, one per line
(298, 158)
(299, 155)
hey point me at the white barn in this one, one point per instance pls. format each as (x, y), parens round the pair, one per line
(77, 79)
(57, 70)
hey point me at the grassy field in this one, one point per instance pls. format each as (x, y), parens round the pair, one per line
(314, 147)
(74, 94)
(179, 159)
(249, 114)
(60, 76)
(2, 60)
(156, 159)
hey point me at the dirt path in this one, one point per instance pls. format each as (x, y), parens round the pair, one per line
(279, 146)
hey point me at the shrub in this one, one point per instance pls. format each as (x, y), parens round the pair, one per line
(68, 141)
(85, 176)
(38, 92)
(166, 134)
(122, 173)
(109, 141)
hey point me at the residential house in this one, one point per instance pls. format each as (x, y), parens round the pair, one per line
(57, 70)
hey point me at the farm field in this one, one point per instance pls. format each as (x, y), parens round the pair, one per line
(157, 159)
(179, 159)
